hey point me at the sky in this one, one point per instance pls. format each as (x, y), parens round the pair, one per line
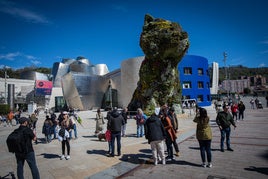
(42, 32)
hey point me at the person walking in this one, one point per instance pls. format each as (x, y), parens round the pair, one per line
(54, 120)
(47, 129)
(174, 121)
(224, 120)
(155, 134)
(33, 121)
(10, 117)
(115, 124)
(171, 134)
(234, 109)
(28, 155)
(252, 103)
(140, 121)
(65, 138)
(204, 136)
(241, 109)
(125, 116)
(99, 122)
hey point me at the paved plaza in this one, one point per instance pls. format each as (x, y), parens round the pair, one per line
(88, 155)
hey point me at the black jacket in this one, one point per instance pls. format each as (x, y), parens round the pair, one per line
(28, 136)
(124, 114)
(115, 122)
(154, 129)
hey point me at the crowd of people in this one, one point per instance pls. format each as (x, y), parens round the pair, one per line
(160, 129)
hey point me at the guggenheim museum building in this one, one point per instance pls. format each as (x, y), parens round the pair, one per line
(79, 84)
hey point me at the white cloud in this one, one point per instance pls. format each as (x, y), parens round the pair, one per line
(4, 66)
(35, 62)
(10, 56)
(19, 55)
(30, 57)
(22, 13)
(262, 65)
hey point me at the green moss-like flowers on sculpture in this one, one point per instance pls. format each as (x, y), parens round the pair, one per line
(164, 44)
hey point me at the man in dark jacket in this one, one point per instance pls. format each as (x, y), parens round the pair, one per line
(115, 124)
(28, 155)
(155, 133)
(224, 120)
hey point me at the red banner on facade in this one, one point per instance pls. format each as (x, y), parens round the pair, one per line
(43, 87)
(43, 84)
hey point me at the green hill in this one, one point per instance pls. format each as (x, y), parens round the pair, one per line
(235, 72)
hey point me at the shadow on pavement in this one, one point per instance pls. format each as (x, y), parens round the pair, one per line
(132, 135)
(99, 152)
(135, 158)
(149, 151)
(262, 170)
(265, 155)
(50, 156)
(89, 136)
(182, 162)
(197, 148)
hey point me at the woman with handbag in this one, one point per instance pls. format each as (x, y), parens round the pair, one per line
(140, 121)
(66, 124)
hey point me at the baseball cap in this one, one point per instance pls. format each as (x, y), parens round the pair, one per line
(22, 120)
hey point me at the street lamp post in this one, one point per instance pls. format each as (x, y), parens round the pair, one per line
(5, 86)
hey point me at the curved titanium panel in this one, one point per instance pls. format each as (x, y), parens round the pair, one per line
(129, 77)
(67, 61)
(59, 70)
(85, 61)
(101, 69)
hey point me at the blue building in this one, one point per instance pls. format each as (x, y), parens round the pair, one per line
(194, 78)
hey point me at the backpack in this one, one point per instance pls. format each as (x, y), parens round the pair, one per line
(62, 132)
(16, 141)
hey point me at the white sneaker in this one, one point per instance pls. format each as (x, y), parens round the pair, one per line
(62, 157)
(155, 162)
(68, 157)
(209, 165)
(164, 162)
(203, 165)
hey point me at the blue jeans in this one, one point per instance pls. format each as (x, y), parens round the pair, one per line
(169, 143)
(123, 129)
(205, 147)
(75, 132)
(227, 132)
(54, 131)
(48, 138)
(140, 130)
(116, 135)
(30, 158)
(110, 147)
